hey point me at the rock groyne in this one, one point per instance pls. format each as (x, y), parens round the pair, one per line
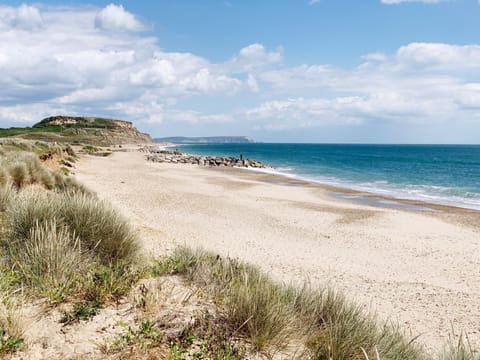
(177, 157)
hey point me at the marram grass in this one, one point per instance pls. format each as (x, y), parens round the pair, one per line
(101, 230)
(321, 324)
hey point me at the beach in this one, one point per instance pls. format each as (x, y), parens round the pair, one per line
(415, 267)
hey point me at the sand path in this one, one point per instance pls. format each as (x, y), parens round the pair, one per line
(420, 269)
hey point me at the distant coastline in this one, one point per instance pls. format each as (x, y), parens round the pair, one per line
(206, 140)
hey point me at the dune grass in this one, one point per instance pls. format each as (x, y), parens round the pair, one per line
(459, 348)
(101, 231)
(69, 245)
(321, 324)
(11, 329)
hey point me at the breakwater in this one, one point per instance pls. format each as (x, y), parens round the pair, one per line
(178, 157)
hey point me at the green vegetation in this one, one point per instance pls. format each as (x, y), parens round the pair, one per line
(11, 331)
(57, 240)
(146, 336)
(460, 349)
(8, 343)
(80, 311)
(69, 244)
(80, 122)
(74, 130)
(274, 317)
(29, 130)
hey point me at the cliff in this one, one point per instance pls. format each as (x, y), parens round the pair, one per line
(91, 130)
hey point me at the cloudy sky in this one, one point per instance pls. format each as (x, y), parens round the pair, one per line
(381, 71)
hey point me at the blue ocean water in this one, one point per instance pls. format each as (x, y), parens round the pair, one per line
(444, 174)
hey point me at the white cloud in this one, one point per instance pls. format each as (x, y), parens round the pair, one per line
(67, 64)
(254, 57)
(114, 17)
(55, 60)
(24, 17)
(252, 83)
(420, 83)
(313, 2)
(437, 56)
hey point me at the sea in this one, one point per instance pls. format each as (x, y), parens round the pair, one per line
(441, 174)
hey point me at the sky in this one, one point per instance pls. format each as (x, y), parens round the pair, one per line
(335, 71)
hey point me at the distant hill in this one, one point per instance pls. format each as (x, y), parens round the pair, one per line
(206, 140)
(81, 129)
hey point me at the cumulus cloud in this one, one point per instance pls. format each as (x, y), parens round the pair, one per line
(23, 17)
(254, 57)
(114, 17)
(439, 56)
(56, 60)
(419, 83)
(67, 65)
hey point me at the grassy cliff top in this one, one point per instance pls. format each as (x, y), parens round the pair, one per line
(81, 121)
(72, 129)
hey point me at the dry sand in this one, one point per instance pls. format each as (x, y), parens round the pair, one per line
(421, 269)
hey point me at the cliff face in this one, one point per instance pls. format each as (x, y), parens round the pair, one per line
(94, 130)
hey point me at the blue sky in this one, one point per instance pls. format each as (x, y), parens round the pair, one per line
(290, 70)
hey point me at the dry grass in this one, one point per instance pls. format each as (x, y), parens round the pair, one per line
(459, 348)
(48, 259)
(12, 326)
(273, 316)
(101, 231)
(6, 195)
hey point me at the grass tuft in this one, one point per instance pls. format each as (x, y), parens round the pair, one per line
(11, 328)
(460, 349)
(19, 175)
(48, 259)
(81, 311)
(100, 229)
(274, 316)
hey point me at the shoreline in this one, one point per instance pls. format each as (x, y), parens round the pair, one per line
(279, 178)
(397, 192)
(417, 268)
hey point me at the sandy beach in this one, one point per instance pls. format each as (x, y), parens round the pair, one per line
(418, 268)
